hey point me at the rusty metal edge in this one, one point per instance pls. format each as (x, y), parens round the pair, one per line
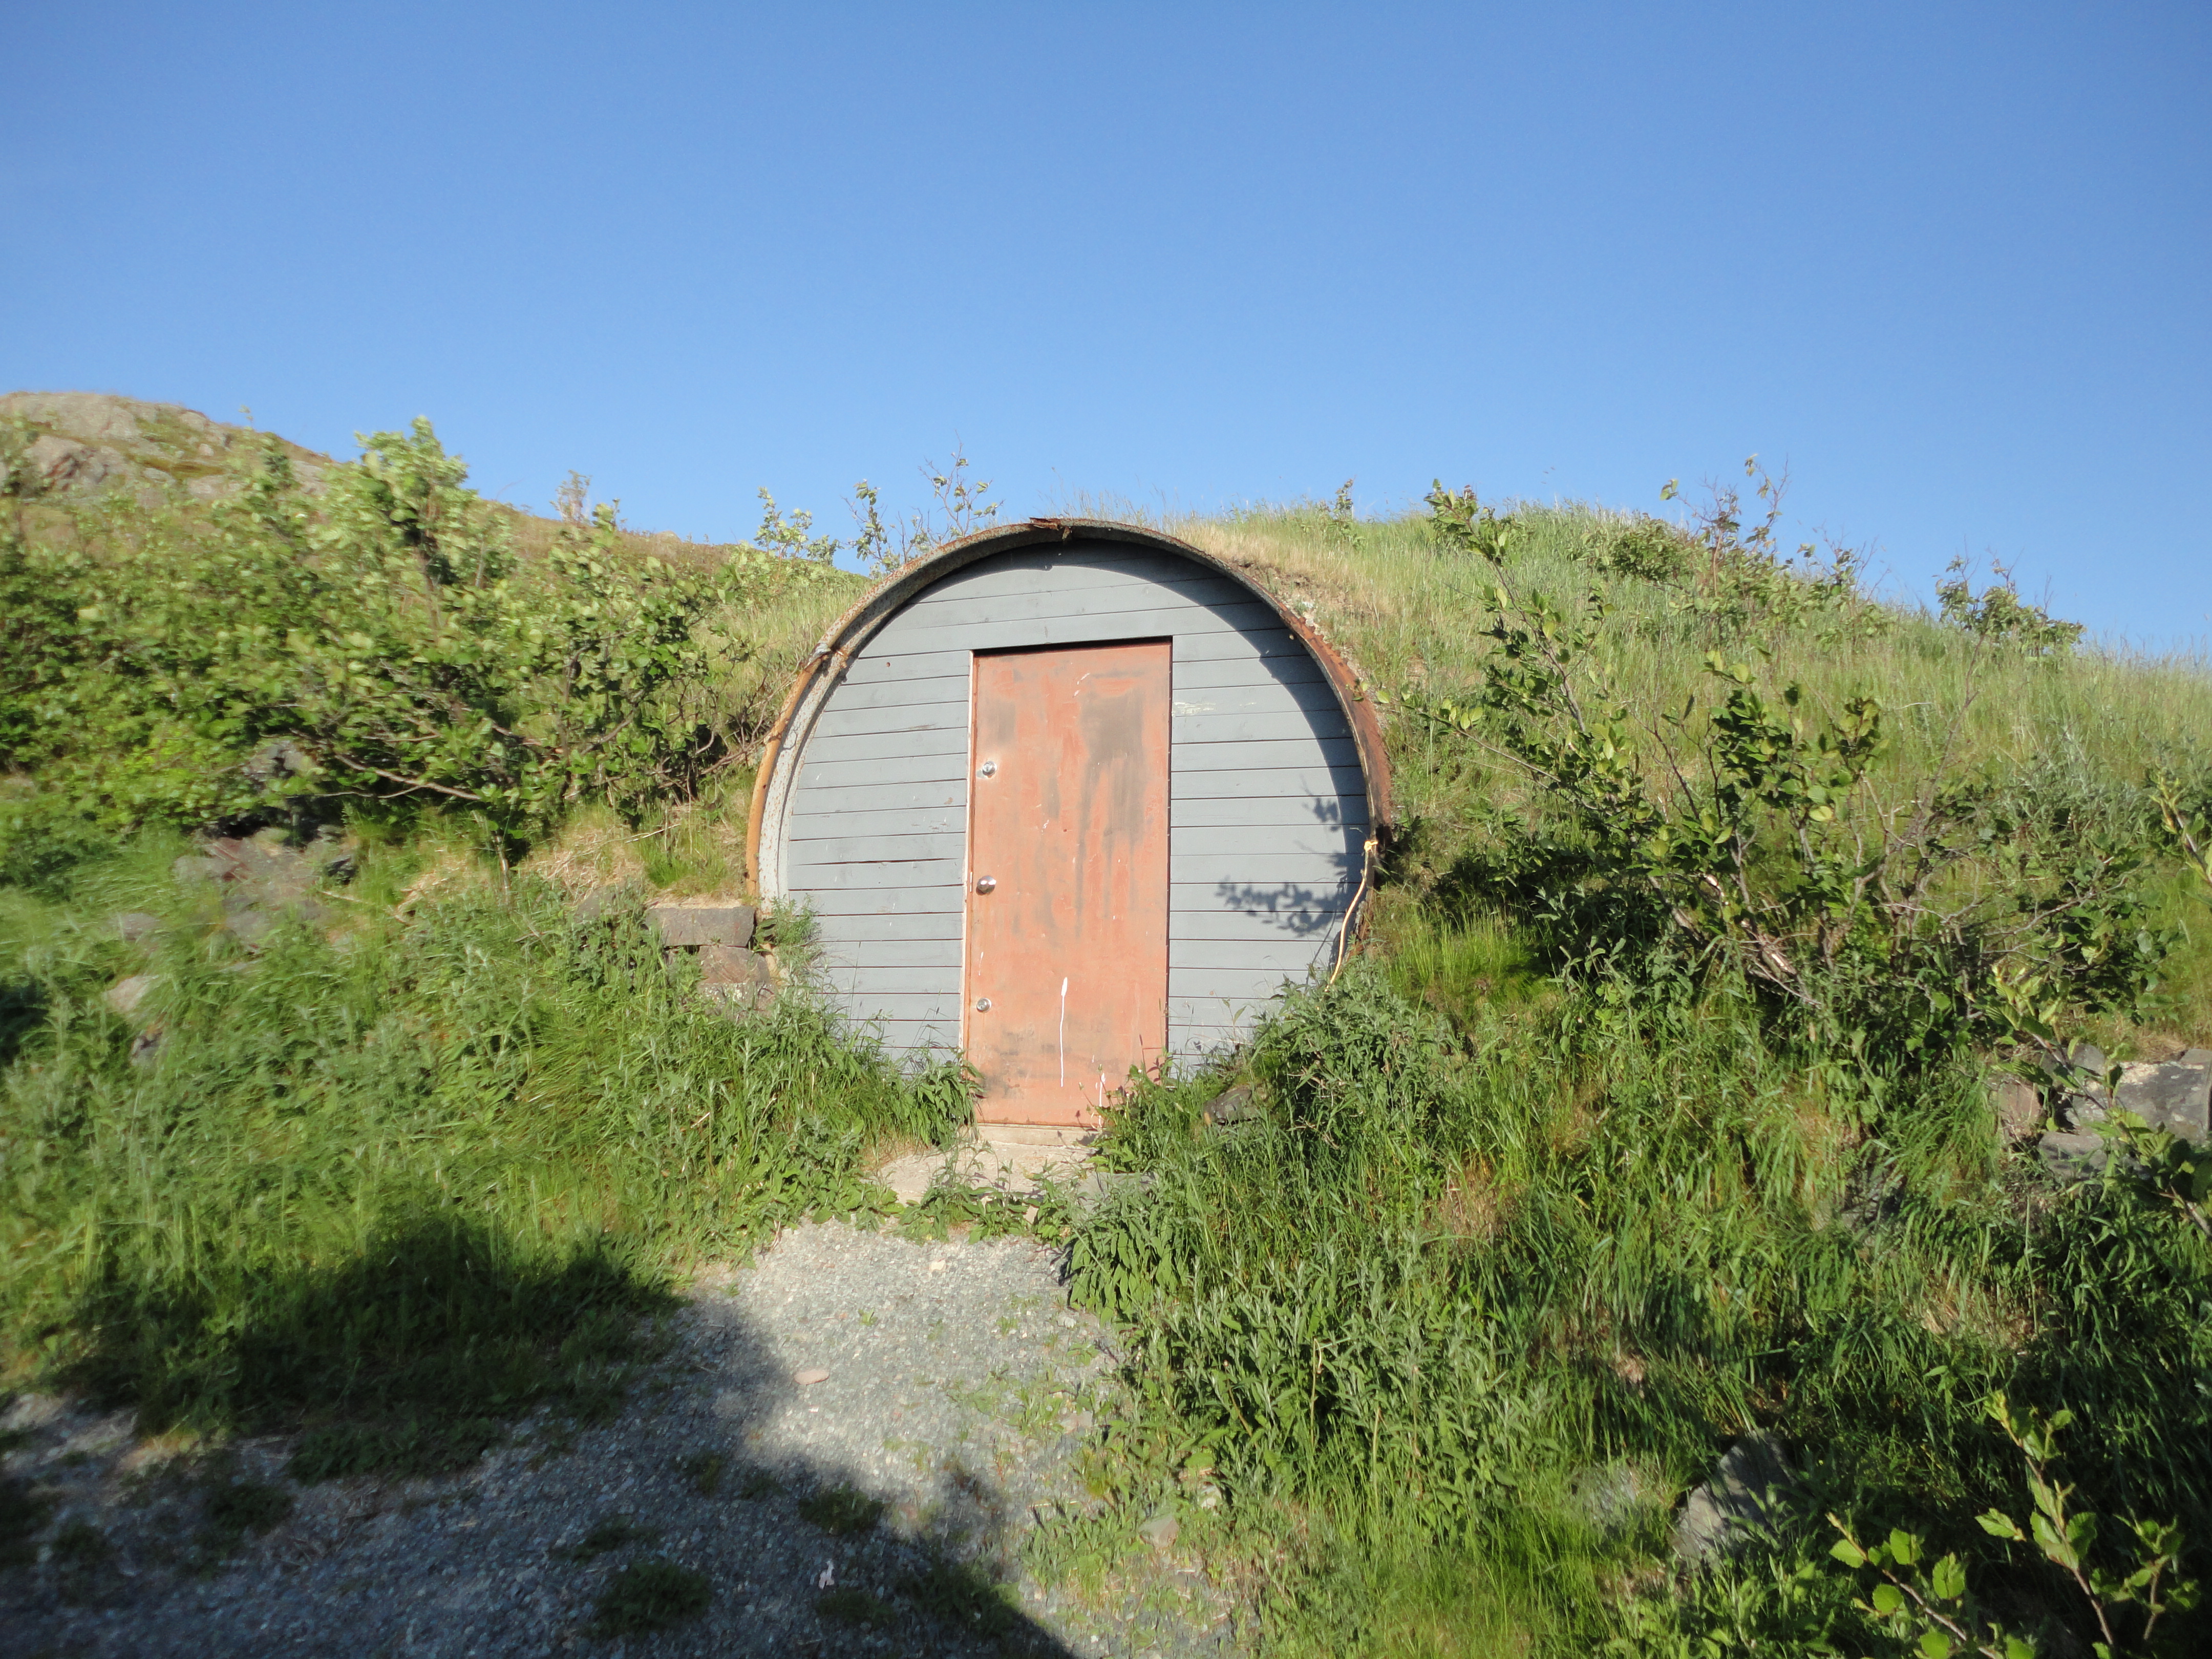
(853, 630)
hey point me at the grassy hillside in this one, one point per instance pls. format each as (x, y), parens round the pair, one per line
(1564, 1186)
(1659, 1108)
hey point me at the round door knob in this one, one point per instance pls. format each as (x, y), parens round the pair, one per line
(986, 883)
(987, 769)
(982, 1005)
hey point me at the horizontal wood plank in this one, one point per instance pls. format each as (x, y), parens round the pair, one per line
(1265, 697)
(1211, 730)
(1299, 811)
(1280, 955)
(917, 1039)
(1323, 872)
(881, 821)
(845, 956)
(1310, 839)
(1199, 675)
(927, 795)
(923, 1007)
(1249, 645)
(1254, 927)
(818, 878)
(1310, 782)
(880, 666)
(1302, 751)
(859, 770)
(939, 900)
(1277, 900)
(872, 746)
(865, 932)
(1232, 1011)
(1076, 593)
(1147, 622)
(1231, 984)
(860, 984)
(888, 720)
(813, 852)
(848, 695)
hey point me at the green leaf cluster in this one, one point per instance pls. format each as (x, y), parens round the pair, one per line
(377, 641)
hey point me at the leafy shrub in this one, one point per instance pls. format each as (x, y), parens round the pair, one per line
(1999, 616)
(1628, 1233)
(396, 1189)
(379, 640)
(1757, 840)
(1647, 548)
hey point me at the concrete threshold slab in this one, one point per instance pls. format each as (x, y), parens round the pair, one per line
(990, 1160)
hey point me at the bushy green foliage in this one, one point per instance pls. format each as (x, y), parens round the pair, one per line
(378, 640)
(1999, 616)
(398, 1186)
(1449, 1273)
(1748, 837)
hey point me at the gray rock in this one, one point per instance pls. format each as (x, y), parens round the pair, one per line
(2018, 1107)
(1608, 1498)
(88, 441)
(276, 760)
(726, 964)
(2176, 1097)
(695, 926)
(249, 924)
(1752, 1489)
(603, 904)
(1160, 1531)
(2072, 1155)
(1236, 1105)
(124, 995)
(1094, 1187)
(133, 927)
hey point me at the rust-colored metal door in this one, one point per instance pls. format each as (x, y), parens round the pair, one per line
(1067, 880)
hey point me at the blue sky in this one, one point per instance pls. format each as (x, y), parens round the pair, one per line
(1948, 262)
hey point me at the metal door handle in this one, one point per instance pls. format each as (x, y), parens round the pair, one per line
(985, 883)
(982, 1005)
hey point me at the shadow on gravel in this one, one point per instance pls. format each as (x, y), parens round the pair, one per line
(635, 1502)
(409, 1358)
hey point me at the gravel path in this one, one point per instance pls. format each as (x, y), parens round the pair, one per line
(949, 1383)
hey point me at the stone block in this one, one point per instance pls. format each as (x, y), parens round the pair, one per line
(133, 926)
(2072, 1157)
(2019, 1106)
(697, 927)
(1750, 1489)
(2176, 1097)
(124, 995)
(1236, 1105)
(729, 965)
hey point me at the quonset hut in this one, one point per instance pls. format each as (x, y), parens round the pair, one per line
(1069, 796)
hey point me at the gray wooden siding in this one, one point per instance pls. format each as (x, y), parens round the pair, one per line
(1267, 808)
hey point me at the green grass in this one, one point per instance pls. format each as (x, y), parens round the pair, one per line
(1500, 1231)
(840, 1511)
(392, 1187)
(650, 1595)
(1497, 1233)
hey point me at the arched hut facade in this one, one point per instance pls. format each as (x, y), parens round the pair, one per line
(1069, 796)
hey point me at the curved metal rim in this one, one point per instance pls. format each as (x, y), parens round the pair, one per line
(811, 687)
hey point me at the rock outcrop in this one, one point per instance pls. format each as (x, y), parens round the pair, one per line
(85, 443)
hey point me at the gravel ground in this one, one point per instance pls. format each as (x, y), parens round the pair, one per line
(956, 1390)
